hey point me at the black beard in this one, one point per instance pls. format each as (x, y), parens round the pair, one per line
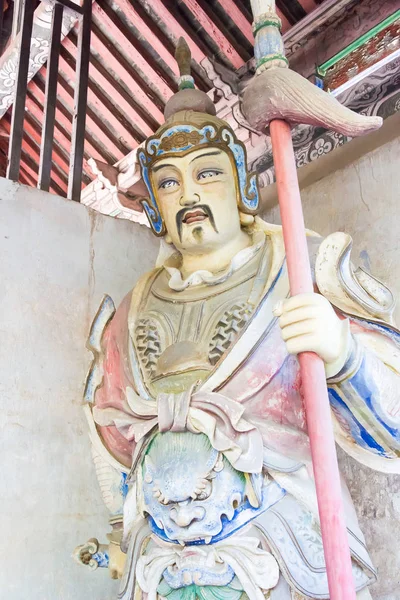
(181, 214)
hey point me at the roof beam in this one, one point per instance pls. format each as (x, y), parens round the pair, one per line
(36, 136)
(132, 15)
(137, 92)
(61, 119)
(32, 151)
(59, 136)
(25, 177)
(212, 30)
(308, 5)
(101, 19)
(176, 28)
(240, 20)
(117, 98)
(97, 106)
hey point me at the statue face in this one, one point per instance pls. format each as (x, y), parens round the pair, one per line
(197, 197)
(188, 487)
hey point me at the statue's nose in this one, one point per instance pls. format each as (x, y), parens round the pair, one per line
(183, 516)
(190, 195)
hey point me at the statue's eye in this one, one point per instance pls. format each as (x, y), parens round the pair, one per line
(168, 184)
(202, 496)
(208, 174)
(205, 490)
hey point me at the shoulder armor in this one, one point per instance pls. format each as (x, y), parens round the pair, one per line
(354, 291)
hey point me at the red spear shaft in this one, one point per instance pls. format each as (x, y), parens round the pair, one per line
(322, 442)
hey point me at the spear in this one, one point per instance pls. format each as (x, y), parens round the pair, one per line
(277, 98)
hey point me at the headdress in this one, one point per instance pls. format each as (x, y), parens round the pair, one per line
(191, 123)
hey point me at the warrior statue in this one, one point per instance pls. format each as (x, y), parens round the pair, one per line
(194, 398)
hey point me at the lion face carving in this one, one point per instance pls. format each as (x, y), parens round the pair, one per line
(189, 487)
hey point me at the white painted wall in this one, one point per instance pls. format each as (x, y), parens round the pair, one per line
(363, 200)
(57, 259)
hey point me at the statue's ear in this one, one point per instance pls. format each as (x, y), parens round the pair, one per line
(138, 189)
(134, 196)
(149, 469)
(131, 202)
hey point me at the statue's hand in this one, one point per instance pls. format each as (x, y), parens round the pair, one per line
(92, 554)
(309, 324)
(116, 561)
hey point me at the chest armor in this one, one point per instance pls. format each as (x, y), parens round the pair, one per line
(180, 336)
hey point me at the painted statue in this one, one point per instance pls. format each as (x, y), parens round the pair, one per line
(194, 397)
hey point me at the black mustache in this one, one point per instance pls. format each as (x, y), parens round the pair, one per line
(180, 215)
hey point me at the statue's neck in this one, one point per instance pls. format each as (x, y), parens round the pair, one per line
(215, 260)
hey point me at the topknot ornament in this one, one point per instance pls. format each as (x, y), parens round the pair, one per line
(188, 97)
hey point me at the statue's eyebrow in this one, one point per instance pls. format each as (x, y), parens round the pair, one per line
(215, 153)
(157, 168)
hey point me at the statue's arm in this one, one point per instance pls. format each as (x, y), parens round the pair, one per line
(365, 395)
(348, 324)
(112, 483)
(111, 452)
(113, 487)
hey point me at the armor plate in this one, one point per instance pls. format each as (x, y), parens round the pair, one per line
(179, 337)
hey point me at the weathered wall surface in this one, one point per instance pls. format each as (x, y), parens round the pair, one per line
(364, 200)
(57, 260)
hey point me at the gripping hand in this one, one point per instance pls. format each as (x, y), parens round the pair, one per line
(309, 324)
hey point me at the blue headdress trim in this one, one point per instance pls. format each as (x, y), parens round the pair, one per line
(183, 138)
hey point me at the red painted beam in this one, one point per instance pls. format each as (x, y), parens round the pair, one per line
(140, 96)
(92, 128)
(285, 22)
(37, 138)
(28, 171)
(231, 9)
(25, 177)
(59, 136)
(176, 29)
(209, 26)
(129, 11)
(61, 119)
(100, 17)
(106, 86)
(33, 151)
(236, 15)
(308, 5)
(97, 106)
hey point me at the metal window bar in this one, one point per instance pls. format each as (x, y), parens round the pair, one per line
(46, 149)
(1, 21)
(17, 120)
(80, 96)
(80, 101)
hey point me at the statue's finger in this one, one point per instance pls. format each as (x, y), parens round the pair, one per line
(306, 327)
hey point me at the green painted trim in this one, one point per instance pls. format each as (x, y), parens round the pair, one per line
(267, 59)
(322, 69)
(266, 23)
(185, 85)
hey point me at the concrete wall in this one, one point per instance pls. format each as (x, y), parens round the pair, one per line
(363, 200)
(57, 260)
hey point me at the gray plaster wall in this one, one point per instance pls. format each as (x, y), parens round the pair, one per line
(57, 259)
(364, 200)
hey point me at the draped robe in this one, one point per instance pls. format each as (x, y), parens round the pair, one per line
(263, 383)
